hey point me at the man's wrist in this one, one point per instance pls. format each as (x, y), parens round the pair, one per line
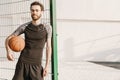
(8, 51)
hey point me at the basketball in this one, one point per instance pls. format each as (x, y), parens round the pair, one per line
(16, 43)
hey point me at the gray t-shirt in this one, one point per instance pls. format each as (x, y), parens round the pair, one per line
(21, 28)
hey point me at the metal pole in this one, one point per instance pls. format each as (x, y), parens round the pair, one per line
(54, 40)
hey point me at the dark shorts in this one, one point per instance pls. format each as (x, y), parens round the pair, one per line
(26, 71)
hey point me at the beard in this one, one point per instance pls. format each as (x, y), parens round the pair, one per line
(35, 17)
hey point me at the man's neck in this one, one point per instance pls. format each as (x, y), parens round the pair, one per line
(37, 22)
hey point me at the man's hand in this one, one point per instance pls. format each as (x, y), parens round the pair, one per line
(45, 72)
(10, 57)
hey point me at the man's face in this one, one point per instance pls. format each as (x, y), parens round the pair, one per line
(36, 12)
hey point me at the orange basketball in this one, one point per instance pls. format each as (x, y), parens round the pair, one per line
(16, 43)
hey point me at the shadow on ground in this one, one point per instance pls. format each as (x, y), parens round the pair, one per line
(115, 65)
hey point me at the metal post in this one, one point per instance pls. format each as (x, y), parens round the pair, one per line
(54, 40)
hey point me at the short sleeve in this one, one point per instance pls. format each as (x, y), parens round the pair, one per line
(49, 30)
(20, 29)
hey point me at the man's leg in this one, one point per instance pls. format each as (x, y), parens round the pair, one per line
(36, 72)
(21, 72)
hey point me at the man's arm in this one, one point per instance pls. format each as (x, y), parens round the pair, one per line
(17, 32)
(48, 48)
(48, 56)
(8, 50)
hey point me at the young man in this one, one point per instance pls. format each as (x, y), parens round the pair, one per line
(37, 34)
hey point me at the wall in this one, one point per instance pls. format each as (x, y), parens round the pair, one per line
(88, 30)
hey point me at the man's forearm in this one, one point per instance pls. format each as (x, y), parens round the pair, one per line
(6, 43)
(48, 56)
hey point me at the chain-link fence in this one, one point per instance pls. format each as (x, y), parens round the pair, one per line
(14, 13)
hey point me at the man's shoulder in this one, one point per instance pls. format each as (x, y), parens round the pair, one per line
(25, 24)
(46, 25)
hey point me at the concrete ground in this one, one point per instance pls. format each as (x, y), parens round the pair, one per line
(87, 71)
(68, 71)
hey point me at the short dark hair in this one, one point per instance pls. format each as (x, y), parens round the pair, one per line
(37, 3)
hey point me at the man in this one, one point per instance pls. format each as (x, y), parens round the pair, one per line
(37, 34)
